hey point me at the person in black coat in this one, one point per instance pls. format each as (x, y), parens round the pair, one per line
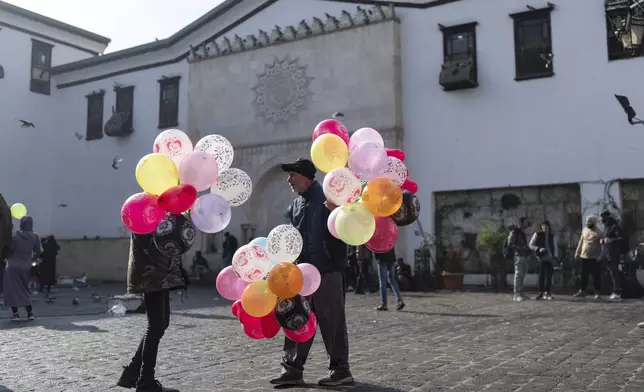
(50, 249)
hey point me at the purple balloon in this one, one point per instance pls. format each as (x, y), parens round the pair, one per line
(229, 285)
(368, 160)
(312, 279)
(211, 213)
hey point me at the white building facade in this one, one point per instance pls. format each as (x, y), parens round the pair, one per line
(503, 109)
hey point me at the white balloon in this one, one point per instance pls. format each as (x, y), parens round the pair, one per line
(219, 147)
(233, 185)
(284, 244)
(173, 143)
(341, 186)
(396, 170)
(251, 263)
(364, 134)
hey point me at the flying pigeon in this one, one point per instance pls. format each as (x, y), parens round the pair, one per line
(78, 136)
(26, 124)
(630, 112)
(62, 205)
(116, 162)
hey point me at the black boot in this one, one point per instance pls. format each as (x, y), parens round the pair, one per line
(129, 377)
(152, 386)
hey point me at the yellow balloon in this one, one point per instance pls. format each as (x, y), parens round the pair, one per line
(382, 196)
(156, 173)
(329, 152)
(18, 211)
(354, 224)
(257, 299)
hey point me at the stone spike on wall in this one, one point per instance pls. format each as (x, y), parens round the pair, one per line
(306, 28)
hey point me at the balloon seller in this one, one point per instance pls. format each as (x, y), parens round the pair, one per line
(309, 213)
(154, 269)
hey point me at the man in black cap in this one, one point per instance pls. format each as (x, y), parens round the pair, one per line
(309, 213)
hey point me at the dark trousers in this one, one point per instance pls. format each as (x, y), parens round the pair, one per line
(363, 282)
(545, 276)
(28, 308)
(157, 305)
(613, 271)
(590, 267)
(328, 305)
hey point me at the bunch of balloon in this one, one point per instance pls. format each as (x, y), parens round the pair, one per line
(171, 178)
(368, 183)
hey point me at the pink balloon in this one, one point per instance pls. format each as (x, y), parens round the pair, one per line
(305, 333)
(199, 169)
(385, 237)
(331, 126)
(141, 213)
(253, 331)
(229, 285)
(330, 223)
(368, 160)
(363, 135)
(396, 153)
(312, 278)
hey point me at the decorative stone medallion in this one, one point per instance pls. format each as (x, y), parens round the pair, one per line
(282, 91)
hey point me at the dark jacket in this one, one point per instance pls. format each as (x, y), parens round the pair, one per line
(6, 230)
(229, 246)
(612, 251)
(519, 242)
(309, 215)
(149, 270)
(387, 257)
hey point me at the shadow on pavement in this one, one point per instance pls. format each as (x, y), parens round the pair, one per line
(453, 314)
(355, 387)
(203, 316)
(71, 327)
(5, 389)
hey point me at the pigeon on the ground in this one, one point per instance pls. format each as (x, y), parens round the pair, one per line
(75, 301)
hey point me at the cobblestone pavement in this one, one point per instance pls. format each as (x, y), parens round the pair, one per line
(441, 342)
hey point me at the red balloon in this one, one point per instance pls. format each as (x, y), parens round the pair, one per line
(141, 213)
(385, 237)
(331, 126)
(246, 318)
(270, 326)
(178, 199)
(253, 331)
(410, 185)
(305, 333)
(396, 153)
(236, 309)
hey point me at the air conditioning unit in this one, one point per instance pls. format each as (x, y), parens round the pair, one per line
(458, 75)
(119, 125)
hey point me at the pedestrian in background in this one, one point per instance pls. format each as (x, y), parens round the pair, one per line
(544, 244)
(387, 273)
(26, 249)
(518, 245)
(589, 250)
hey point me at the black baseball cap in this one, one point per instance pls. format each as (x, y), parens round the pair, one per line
(302, 166)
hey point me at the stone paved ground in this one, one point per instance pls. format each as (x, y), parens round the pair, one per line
(441, 342)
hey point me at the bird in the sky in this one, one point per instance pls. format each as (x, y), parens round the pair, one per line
(628, 109)
(26, 124)
(62, 205)
(78, 136)
(116, 162)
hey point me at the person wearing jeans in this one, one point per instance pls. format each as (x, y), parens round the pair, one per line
(387, 272)
(544, 243)
(154, 275)
(588, 251)
(309, 213)
(518, 241)
(612, 241)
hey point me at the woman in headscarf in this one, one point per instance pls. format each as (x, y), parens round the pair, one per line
(589, 250)
(50, 250)
(26, 248)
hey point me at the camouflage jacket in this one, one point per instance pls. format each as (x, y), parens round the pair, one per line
(149, 270)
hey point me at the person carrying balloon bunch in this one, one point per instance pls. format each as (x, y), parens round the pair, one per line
(155, 269)
(309, 213)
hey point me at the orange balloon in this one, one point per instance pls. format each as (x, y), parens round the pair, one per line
(382, 197)
(257, 300)
(285, 280)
